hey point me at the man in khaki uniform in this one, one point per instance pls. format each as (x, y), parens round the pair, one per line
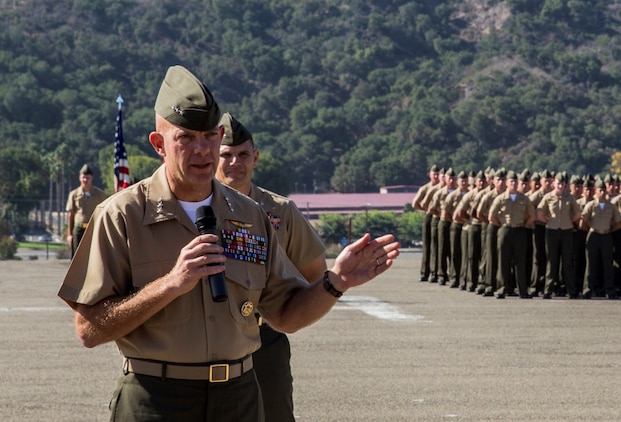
(451, 202)
(599, 219)
(303, 246)
(512, 212)
(444, 226)
(427, 204)
(578, 190)
(612, 187)
(559, 211)
(81, 203)
(524, 186)
(489, 186)
(138, 277)
(615, 199)
(466, 211)
(538, 277)
(491, 249)
(418, 204)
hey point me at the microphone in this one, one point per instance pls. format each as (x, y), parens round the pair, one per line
(206, 224)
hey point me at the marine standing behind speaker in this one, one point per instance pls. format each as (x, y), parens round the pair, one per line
(238, 159)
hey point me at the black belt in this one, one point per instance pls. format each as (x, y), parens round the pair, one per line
(599, 231)
(509, 226)
(213, 372)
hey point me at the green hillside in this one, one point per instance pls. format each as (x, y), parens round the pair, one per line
(340, 96)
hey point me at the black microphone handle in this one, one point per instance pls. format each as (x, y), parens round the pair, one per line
(217, 284)
(206, 224)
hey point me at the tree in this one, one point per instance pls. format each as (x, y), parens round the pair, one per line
(334, 227)
(23, 183)
(374, 222)
(410, 227)
(22, 178)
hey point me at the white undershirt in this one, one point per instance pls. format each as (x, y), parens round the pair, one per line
(191, 207)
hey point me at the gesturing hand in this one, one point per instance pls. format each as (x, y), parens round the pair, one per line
(364, 259)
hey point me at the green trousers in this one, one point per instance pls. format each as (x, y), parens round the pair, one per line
(512, 259)
(143, 398)
(273, 369)
(425, 268)
(560, 250)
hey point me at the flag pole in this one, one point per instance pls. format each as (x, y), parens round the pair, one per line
(121, 164)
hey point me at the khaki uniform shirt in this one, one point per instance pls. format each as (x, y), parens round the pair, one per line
(419, 198)
(478, 197)
(601, 219)
(582, 202)
(512, 213)
(559, 210)
(437, 203)
(135, 237)
(486, 203)
(82, 204)
(451, 202)
(616, 201)
(296, 236)
(467, 205)
(536, 197)
(427, 200)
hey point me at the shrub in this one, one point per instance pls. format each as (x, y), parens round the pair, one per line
(8, 248)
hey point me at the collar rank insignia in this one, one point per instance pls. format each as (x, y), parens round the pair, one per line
(228, 202)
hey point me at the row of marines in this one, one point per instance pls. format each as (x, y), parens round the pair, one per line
(541, 233)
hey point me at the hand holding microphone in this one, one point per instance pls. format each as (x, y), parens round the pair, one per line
(206, 224)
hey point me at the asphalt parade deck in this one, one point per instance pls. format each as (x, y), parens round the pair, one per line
(392, 350)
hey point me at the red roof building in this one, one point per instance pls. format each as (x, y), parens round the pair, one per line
(313, 205)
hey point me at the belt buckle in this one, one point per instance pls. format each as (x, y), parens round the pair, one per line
(218, 366)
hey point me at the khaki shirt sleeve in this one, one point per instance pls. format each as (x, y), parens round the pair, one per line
(616, 216)
(304, 244)
(70, 207)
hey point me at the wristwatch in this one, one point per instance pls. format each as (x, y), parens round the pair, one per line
(329, 286)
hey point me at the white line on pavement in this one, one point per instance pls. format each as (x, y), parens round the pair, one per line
(376, 308)
(35, 309)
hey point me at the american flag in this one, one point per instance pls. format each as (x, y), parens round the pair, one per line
(121, 165)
